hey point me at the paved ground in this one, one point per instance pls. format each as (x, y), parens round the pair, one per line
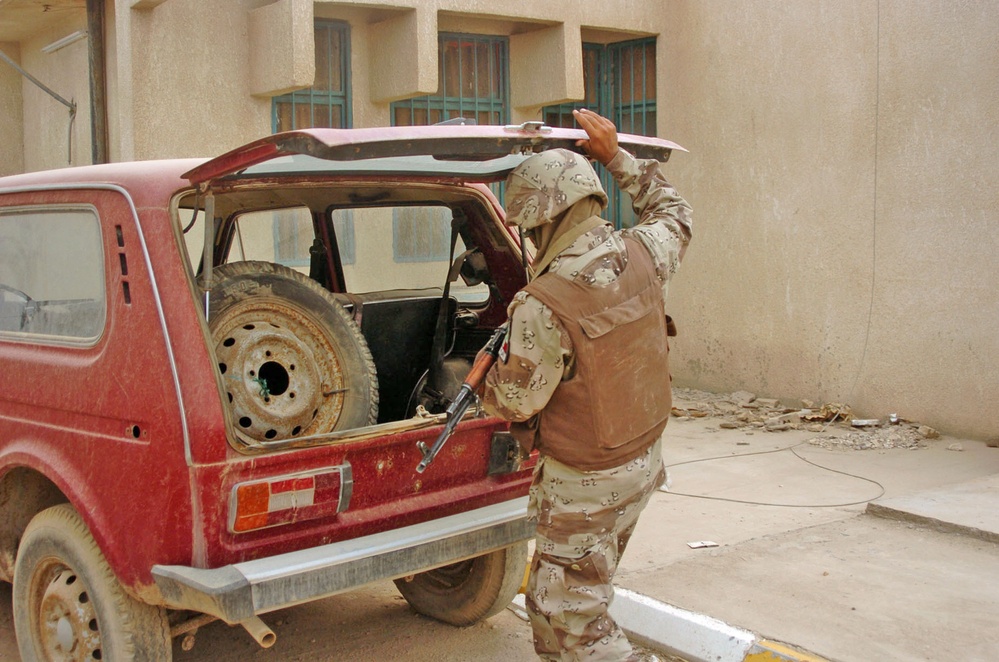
(833, 579)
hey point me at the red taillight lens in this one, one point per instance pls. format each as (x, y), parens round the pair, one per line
(290, 498)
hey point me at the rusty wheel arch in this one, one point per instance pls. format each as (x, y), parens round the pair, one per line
(24, 493)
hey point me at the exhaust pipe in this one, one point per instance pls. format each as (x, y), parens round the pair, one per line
(262, 634)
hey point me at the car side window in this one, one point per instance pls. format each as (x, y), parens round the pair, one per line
(52, 275)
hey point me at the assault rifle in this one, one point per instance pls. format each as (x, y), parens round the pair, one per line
(466, 396)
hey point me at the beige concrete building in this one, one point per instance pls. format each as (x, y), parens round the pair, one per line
(842, 161)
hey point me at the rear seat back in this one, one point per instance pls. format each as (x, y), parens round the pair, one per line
(398, 326)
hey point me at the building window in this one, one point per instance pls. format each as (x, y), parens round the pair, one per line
(474, 83)
(473, 71)
(294, 235)
(327, 102)
(620, 83)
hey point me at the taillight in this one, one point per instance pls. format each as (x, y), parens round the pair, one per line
(289, 498)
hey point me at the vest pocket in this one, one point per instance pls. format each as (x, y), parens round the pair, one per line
(629, 382)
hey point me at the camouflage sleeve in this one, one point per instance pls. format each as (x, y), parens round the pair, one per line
(531, 364)
(664, 218)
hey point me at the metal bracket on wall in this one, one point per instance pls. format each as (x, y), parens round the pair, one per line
(69, 104)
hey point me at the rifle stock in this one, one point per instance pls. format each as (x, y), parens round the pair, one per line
(466, 396)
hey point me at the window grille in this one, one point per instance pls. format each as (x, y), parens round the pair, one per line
(327, 102)
(620, 83)
(473, 71)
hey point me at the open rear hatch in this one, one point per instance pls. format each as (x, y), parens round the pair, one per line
(462, 152)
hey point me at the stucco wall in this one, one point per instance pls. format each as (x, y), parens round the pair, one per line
(11, 114)
(49, 132)
(843, 179)
(189, 90)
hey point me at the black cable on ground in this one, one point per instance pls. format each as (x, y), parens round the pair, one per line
(779, 505)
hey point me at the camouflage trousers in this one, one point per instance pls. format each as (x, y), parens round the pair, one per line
(585, 519)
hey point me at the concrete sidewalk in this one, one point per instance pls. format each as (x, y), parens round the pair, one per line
(913, 576)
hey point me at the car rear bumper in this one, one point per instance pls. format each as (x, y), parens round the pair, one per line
(240, 591)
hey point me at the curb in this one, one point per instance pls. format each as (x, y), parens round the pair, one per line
(900, 514)
(695, 637)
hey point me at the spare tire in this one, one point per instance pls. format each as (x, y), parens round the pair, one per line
(293, 362)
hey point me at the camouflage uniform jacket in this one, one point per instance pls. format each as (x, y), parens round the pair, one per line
(538, 353)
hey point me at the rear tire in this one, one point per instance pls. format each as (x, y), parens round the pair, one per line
(467, 592)
(70, 606)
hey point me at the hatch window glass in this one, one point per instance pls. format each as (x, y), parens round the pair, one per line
(52, 274)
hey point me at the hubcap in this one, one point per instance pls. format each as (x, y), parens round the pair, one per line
(68, 628)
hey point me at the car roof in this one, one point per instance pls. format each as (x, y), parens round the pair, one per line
(142, 179)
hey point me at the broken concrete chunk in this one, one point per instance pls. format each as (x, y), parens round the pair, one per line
(927, 432)
(742, 397)
(768, 402)
(789, 417)
(832, 411)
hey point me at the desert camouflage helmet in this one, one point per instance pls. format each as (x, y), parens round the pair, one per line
(546, 184)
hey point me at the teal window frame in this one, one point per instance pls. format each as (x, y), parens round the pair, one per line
(614, 68)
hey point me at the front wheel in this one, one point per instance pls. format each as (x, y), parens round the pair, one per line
(469, 591)
(70, 605)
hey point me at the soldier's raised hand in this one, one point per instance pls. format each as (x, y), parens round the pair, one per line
(602, 143)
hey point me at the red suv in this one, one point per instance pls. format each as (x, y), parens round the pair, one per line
(219, 376)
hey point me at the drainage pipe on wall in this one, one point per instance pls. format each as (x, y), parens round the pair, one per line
(98, 88)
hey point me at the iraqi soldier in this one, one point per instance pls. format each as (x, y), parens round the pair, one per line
(584, 376)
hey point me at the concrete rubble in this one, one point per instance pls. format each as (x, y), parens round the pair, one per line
(742, 410)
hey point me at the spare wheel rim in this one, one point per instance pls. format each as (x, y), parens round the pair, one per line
(281, 371)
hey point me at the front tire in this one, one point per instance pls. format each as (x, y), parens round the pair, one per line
(70, 605)
(467, 592)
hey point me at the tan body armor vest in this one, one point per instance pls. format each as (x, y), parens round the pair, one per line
(618, 400)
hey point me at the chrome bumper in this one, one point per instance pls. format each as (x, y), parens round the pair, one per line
(240, 591)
